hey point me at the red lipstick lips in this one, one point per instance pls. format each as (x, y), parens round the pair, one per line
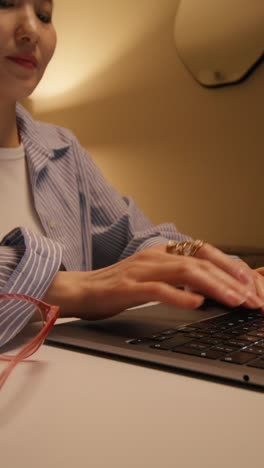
(26, 61)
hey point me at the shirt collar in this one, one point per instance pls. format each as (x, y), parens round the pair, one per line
(42, 134)
(41, 141)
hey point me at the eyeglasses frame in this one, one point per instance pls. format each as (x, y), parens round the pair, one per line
(49, 312)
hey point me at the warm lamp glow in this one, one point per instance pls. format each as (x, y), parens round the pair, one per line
(91, 40)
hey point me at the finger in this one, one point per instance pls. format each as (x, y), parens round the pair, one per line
(201, 276)
(256, 297)
(217, 284)
(260, 270)
(237, 268)
(162, 292)
(259, 282)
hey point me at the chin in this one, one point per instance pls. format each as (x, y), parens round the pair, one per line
(25, 93)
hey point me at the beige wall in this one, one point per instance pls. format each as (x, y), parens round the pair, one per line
(187, 154)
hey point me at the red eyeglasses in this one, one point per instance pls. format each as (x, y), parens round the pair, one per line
(20, 341)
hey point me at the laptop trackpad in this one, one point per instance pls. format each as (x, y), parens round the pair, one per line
(135, 323)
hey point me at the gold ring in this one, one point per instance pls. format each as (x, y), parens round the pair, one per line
(187, 248)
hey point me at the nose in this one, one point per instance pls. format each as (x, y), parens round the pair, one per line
(27, 27)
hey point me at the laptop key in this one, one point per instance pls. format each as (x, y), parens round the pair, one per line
(162, 337)
(209, 354)
(197, 335)
(137, 341)
(249, 339)
(236, 343)
(223, 336)
(261, 344)
(255, 350)
(210, 331)
(211, 341)
(225, 349)
(171, 331)
(257, 333)
(199, 345)
(246, 328)
(177, 340)
(241, 357)
(236, 332)
(201, 325)
(186, 329)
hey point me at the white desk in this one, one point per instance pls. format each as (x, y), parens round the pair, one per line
(68, 409)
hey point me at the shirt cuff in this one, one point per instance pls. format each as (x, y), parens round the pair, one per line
(38, 260)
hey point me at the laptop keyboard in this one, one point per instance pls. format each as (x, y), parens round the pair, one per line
(236, 338)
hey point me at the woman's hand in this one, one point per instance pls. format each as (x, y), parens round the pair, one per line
(259, 282)
(154, 275)
(238, 269)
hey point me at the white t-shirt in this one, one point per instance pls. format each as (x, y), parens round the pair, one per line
(16, 200)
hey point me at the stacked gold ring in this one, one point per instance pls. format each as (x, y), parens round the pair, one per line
(187, 248)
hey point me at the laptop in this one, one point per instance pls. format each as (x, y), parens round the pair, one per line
(213, 342)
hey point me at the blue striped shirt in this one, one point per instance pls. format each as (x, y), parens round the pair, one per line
(87, 224)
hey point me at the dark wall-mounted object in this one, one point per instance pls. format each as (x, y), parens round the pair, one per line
(220, 41)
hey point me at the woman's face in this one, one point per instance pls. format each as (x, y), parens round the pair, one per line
(27, 43)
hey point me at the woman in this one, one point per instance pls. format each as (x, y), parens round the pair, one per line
(81, 245)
